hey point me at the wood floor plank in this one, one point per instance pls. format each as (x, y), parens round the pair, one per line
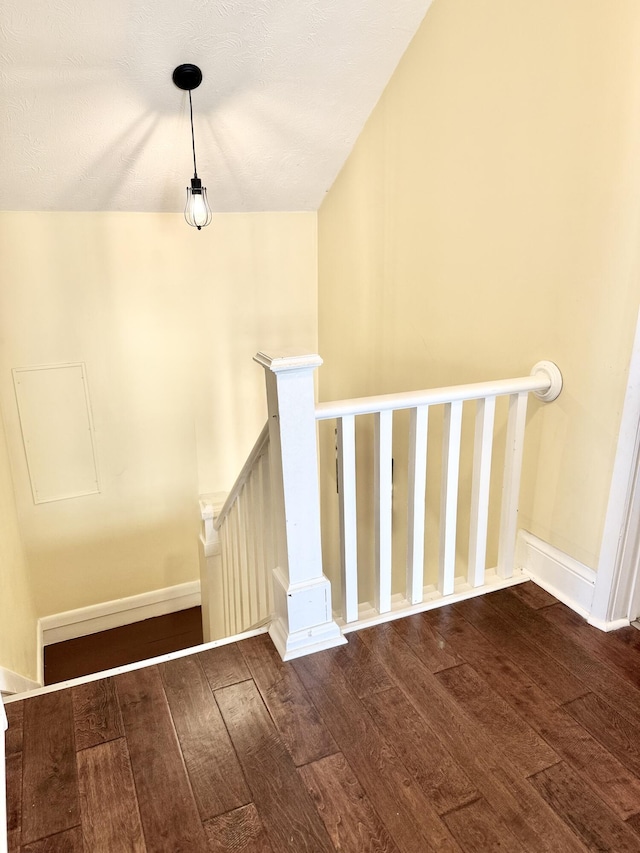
(596, 675)
(287, 811)
(108, 804)
(634, 823)
(13, 841)
(404, 808)
(168, 811)
(521, 744)
(96, 713)
(15, 720)
(364, 672)
(13, 765)
(628, 636)
(433, 768)
(589, 818)
(50, 801)
(69, 841)
(572, 742)
(239, 831)
(427, 644)
(478, 830)
(533, 595)
(223, 666)
(535, 825)
(544, 670)
(620, 737)
(352, 823)
(216, 777)
(421, 766)
(304, 734)
(625, 660)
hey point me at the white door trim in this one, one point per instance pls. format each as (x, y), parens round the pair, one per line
(618, 571)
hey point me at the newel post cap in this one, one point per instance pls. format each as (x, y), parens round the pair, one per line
(288, 360)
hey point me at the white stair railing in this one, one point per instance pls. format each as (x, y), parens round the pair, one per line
(545, 382)
(245, 529)
(269, 545)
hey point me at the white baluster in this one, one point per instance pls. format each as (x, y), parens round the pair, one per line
(243, 599)
(250, 537)
(511, 483)
(269, 536)
(417, 483)
(382, 496)
(452, 430)
(482, 450)
(235, 558)
(348, 519)
(226, 574)
(260, 523)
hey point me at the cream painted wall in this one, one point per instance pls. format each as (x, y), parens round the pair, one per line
(167, 321)
(488, 217)
(17, 610)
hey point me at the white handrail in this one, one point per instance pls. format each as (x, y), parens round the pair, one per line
(243, 476)
(543, 381)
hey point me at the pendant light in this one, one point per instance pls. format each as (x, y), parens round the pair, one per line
(197, 211)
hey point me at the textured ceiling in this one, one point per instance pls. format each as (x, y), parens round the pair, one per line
(90, 119)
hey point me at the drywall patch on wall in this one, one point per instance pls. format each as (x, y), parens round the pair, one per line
(57, 432)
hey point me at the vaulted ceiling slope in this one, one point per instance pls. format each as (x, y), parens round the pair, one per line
(92, 121)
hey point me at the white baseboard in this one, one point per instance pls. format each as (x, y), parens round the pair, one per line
(12, 682)
(608, 626)
(114, 614)
(570, 581)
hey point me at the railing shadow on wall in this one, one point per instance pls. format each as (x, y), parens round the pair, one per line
(399, 550)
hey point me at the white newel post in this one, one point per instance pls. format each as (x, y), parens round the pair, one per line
(303, 620)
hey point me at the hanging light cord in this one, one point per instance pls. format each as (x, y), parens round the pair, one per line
(193, 139)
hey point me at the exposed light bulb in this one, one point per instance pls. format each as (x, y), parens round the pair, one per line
(197, 211)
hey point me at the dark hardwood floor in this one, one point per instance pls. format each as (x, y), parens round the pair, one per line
(504, 723)
(118, 646)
